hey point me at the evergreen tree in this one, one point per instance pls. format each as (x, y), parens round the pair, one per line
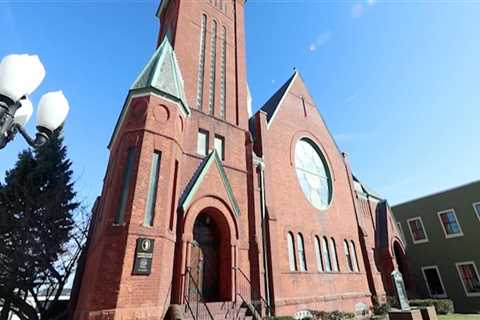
(37, 204)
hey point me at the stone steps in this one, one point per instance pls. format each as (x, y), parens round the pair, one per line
(224, 310)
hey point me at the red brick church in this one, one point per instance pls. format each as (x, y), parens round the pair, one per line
(210, 212)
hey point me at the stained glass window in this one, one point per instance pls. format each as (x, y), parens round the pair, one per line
(301, 253)
(291, 252)
(313, 174)
(318, 254)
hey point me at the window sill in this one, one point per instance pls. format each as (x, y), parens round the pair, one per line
(452, 236)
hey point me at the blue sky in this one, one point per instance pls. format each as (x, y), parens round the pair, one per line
(396, 81)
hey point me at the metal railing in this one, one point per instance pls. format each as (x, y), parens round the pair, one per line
(250, 296)
(194, 302)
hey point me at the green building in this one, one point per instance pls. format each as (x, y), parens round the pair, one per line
(442, 233)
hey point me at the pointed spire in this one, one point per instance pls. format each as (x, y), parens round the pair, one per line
(162, 73)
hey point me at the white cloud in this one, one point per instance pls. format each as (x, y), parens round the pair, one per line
(371, 2)
(357, 10)
(322, 39)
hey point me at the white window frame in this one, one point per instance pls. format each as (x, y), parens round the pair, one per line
(444, 295)
(475, 209)
(457, 264)
(411, 232)
(221, 141)
(449, 236)
(204, 152)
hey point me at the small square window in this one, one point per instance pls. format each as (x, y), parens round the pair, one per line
(417, 230)
(219, 143)
(451, 227)
(202, 142)
(476, 207)
(468, 274)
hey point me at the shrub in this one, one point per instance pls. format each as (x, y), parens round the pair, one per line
(338, 315)
(334, 315)
(279, 318)
(442, 306)
(379, 308)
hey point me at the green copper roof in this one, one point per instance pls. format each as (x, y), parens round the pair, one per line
(162, 73)
(197, 180)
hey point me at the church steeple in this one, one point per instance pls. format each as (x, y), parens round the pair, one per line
(162, 74)
(208, 39)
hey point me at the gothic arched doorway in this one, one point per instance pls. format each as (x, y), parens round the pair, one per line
(401, 262)
(210, 260)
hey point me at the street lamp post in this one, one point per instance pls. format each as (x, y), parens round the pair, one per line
(20, 75)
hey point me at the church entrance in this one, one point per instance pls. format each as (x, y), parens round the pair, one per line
(400, 259)
(207, 260)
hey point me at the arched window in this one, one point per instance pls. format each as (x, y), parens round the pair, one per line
(353, 253)
(201, 63)
(318, 254)
(333, 252)
(213, 62)
(347, 255)
(222, 73)
(326, 255)
(313, 173)
(291, 252)
(301, 253)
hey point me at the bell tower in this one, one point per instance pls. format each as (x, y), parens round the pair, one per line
(209, 40)
(180, 156)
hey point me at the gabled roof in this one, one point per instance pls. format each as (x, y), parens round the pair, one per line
(197, 179)
(362, 188)
(270, 107)
(160, 76)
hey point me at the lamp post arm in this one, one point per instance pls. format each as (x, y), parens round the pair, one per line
(40, 138)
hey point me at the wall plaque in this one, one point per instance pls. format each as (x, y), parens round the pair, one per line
(400, 290)
(142, 264)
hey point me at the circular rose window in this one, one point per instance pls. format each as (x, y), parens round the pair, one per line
(313, 173)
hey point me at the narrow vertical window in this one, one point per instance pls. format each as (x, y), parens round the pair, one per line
(353, 253)
(333, 252)
(347, 255)
(222, 74)
(202, 142)
(127, 173)
(326, 255)
(201, 63)
(318, 254)
(174, 198)
(213, 62)
(152, 189)
(219, 144)
(301, 253)
(291, 252)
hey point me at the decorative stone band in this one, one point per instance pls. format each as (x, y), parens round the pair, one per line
(330, 297)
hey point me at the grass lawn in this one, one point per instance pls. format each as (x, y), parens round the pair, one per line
(457, 316)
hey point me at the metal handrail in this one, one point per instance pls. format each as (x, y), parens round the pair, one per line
(196, 313)
(256, 299)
